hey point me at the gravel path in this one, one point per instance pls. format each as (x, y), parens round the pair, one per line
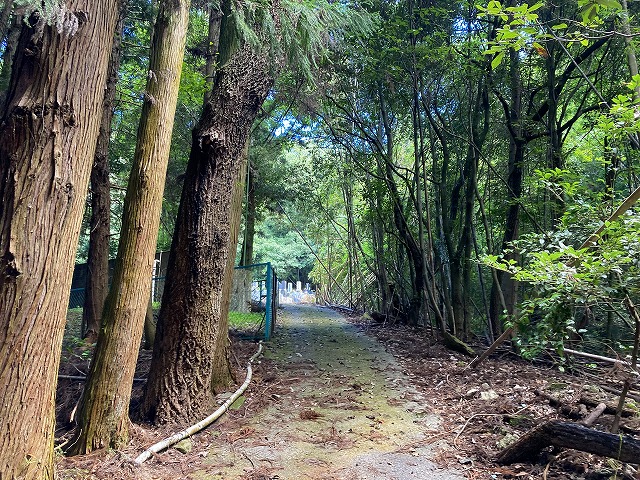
(344, 410)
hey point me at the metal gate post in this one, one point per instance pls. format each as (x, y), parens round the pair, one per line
(268, 303)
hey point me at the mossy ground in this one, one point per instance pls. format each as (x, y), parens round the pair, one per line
(335, 401)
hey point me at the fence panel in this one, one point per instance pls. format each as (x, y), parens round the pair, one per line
(254, 301)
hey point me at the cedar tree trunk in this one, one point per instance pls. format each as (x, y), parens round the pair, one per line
(103, 419)
(185, 363)
(223, 376)
(48, 136)
(97, 285)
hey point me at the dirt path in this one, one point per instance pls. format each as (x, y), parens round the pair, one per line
(340, 408)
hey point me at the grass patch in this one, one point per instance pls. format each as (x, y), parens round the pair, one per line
(245, 320)
(72, 332)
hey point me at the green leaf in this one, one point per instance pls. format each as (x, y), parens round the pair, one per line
(507, 34)
(588, 13)
(497, 60)
(609, 4)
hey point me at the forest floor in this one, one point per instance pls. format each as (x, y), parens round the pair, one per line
(344, 399)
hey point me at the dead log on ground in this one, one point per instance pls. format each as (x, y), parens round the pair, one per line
(611, 408)
(573, 413)
(571, 435)
(454, 343)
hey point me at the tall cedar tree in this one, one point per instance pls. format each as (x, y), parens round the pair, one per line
(47, 140)
(97, 285)
(189, 355)
(103, 416)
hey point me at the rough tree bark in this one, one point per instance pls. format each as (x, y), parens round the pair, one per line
(97, 285)
(189, 325)
(47, 140)
(103, 419)
(223, 375)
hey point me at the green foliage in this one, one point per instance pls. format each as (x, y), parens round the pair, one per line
(518, 30)
(521, 29)
(564, 281)
(281, 245)
(300, 33)
(622, 118)
(592, 11)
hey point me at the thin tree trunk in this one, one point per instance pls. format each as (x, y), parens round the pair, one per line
(250, 224)
(149, 326)
(5, 14)
(377, 241)
(514, 184)
(412, 247)
(103, 419)
(179, 387)
(632, 60)
(97, 285)
(48, 136)
(554, 145)
(213, 37)
(417, 164)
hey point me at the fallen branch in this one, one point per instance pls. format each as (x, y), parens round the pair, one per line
(596, 357)
(506, 334)
(571, 435)
(172, 440)
(633, 395)
(594, 415)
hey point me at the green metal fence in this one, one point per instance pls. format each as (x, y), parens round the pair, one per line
(253, 302)
(252, 306)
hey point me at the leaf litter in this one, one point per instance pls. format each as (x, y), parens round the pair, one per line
(348, 400)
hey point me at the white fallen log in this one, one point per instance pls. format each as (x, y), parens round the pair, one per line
(173, 439)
